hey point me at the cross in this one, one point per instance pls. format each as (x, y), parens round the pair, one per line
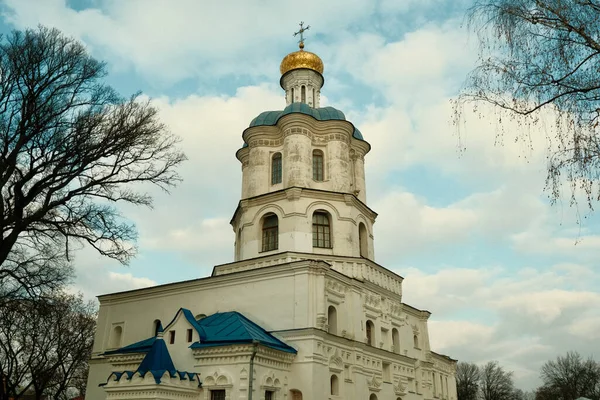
(301, 32)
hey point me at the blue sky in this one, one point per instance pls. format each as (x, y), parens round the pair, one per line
(507, 276)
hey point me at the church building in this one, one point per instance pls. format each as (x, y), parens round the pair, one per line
(304, 311)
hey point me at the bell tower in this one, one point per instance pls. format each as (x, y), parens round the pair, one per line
(303, 176)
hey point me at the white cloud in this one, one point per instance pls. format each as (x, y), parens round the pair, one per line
(521, 316)
(528, 320)
(128, 281)
(170, 41)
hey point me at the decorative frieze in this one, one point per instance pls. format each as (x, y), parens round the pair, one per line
(374, 384)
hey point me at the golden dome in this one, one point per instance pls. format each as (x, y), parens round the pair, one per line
(301, 59)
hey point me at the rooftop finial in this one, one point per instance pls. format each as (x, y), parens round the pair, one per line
(301, 33)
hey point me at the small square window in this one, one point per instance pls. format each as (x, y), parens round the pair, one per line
(189, 335)
(171, 337)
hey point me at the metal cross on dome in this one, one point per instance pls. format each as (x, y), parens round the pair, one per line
(301, 31)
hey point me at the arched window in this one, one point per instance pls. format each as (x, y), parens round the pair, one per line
(293, 100)
(314, 98)
(396, 340)
(373, 396)
(115, 340)
(321, 230)
(335, 386)
(270, 233)
(332, 320)
(318, 165)
(416, 341)
(276, 166)
(362, 240)
(370, 330)
(156, 326)
(303, 94)
(295, 394)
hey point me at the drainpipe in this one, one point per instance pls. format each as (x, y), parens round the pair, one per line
(254, 348)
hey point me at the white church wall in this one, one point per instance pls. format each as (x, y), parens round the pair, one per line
(296, 136)
(294, 209)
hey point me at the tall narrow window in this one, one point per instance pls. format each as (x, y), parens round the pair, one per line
(303, 94)
(335, 386)
(396, 340)
(362, 240)
(270, 233)
(314, 99)
(189, 336)
(416, 341)
(269, 395)
(238, 245)
(117, 333)
(276, 165)
(171, 337)
(293, 100)
(321, 230)
(318, 165)
(369, 327)
(332, 320)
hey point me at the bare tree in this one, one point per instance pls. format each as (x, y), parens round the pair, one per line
(45, 344)
(71, 149)
(539, 58)
(496, 383)
(467, 381)
(570, 377)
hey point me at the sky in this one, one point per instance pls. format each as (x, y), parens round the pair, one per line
(506, 275)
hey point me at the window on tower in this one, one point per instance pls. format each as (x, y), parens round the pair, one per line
(276, 166)
(303, 94)
(369, 331)
(321, 230)
(270, 233)
(318, 165)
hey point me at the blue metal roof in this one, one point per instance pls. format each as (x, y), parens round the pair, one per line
(158, 362)
(227, 328)
(158, 359)
(142, 346)
(220, 329)
(270, 118)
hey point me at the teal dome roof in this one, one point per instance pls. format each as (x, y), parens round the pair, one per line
(270, 118)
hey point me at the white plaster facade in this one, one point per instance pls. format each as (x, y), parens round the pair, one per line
(341, 311)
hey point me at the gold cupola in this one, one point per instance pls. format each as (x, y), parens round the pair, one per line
(302, 75)
(301, 60)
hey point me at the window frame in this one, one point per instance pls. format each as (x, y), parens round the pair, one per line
(318, 170)
(326, 242)
(213, 393)
(276, 168)
(270, 234)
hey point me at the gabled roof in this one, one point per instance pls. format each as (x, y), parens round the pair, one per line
(158, 362)
(190, 318)
(220, 329)
(142, 346)
(231, 328)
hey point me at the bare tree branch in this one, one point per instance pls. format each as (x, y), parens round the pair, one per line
(71, 150)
